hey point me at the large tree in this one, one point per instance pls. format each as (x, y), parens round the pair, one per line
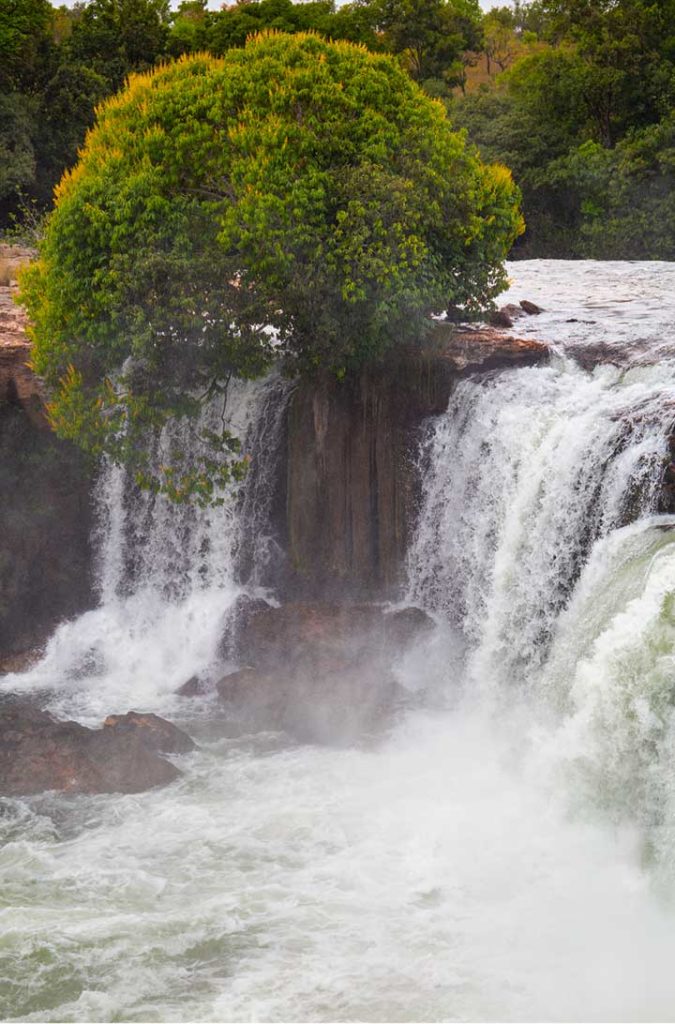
(296, 185)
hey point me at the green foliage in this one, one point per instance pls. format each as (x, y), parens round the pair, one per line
(296, 184)
(432, 35)
(25, 43)
(233, 25)
(626, 194)
(115, 37)
(570, 118)
(17, 152)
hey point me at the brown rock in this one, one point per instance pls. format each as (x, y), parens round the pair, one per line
(323, 673)
(505, 315)
(314, 704)
(18, 383)
(39, 753)
(500, 318)
(328, 635)
(350, 485)
(20, 661)
(194, 687)
(404, 626)
(242, 612)
(153, 732)
(597, 354)
(468, 350)
(531, 308)
(512, 310)
(12, 259)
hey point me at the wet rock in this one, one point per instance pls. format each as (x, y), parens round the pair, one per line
(667, 495)
(469, 350)
(243, 611)
(321, 672)
(314, 704)
(39, 752)
(194, 687)
(596, 354)
(505, 315)
(531, 308)
(325, 635)
(406, 625)
(330, 634)
(20, 661)
(153, 732)
(350, 490)
(500, 318)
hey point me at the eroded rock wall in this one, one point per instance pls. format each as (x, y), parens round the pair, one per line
(45, 527)
(45, 487)
(350, 476)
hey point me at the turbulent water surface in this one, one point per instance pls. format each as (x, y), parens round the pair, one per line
(506, 853)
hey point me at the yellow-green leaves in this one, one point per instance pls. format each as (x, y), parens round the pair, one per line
(297, 183)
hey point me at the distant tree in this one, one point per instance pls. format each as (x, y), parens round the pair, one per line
(65, 112)
(432, 35)
(500, 42)
(297, 184)
(26, 46)
(629, 50)
(626, 195)
(188, 31)
(17, 147)
(115, 37)
(232, 25)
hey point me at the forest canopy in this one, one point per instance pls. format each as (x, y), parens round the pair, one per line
(295, 198)
(577, 97)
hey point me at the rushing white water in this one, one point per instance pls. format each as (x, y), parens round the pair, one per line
(167, 577)
(506, 856)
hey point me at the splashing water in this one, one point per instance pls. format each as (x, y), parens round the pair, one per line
(504, 858)
(167, 578)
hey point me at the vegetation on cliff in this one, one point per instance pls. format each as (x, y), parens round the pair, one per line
(296, 185)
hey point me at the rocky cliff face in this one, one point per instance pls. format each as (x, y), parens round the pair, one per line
(350, 475)
(347, 485)
(45, 516)
(18, 384)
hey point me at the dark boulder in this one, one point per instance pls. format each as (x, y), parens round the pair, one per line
(500, 318)
(194, 687)
(321, 672)
(236, 619)
(38, 753)
(314, 703)
(406, 625)
(667, 495)
(531, 308)
(598, 353)
(153, 732)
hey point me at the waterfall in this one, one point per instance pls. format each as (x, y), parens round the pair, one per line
(168, 575)
(505, 851)
(540, 543)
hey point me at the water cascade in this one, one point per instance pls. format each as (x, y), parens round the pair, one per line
(506, 851)
(168, 575)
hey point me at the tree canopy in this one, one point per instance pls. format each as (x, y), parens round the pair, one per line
(296, 186)
(584, 119)
(537, 84)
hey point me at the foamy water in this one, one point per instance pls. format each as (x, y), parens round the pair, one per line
(505, 854)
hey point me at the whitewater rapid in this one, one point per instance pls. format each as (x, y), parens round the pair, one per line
(505, 853)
